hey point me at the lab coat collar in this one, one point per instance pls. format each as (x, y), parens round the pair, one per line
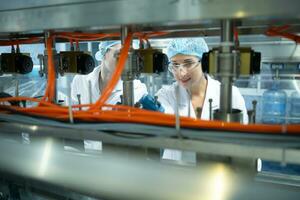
(211, 93)
(94, 78)
(183, 94)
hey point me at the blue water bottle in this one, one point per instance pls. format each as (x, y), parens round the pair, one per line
(295, 108)
(274, 105)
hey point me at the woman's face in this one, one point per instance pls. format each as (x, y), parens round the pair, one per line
(110, 59)
(186, 69)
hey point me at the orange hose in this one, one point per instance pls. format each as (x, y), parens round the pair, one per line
(279, 31)
(77, 34)
(84, 36)
(20, 41)
(50, 90)
(156, 118)
(121, 113)
(117, 73)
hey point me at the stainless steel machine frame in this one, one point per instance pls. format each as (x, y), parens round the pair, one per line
(186, 18)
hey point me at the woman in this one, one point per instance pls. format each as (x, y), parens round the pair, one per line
(194, 88)
(98, 79)
(86, 88)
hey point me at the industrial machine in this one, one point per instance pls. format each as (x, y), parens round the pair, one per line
(42, 151)
(16, 62)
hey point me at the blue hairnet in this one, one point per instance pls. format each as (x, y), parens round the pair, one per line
(187, 46)
(105, 45)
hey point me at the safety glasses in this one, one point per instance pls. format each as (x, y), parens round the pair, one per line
(187, 66)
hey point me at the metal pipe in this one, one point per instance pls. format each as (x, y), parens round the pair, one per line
(210, 109)
(128, 73)
(128, 93)
(90, 92)
(254, 103)
(226, 66)
(17, 87)
(42, 65)
(124, 33)
(79, 100)
(226, 95)
(70, 104)
(226, 32)
(177, 116)
(47, 34)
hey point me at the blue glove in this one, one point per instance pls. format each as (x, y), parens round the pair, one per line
(148, 102)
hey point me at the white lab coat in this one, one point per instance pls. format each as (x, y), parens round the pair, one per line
(80, 85)
(167, 98)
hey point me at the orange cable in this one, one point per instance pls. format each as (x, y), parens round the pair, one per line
(117, 73)
(20, 41)
(120, 113)
(280, 31)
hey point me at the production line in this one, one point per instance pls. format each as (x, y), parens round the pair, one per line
(71, 128)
